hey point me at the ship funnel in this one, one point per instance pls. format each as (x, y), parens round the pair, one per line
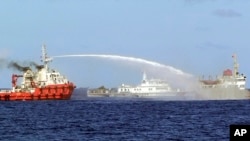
(28, 73)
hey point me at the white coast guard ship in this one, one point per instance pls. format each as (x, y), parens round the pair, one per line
(147, 88)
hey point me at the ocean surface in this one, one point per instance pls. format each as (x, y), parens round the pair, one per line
(120, 119)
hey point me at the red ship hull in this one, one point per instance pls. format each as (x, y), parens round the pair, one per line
(50, 92)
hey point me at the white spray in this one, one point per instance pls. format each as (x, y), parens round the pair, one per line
(132, 59)
(177, 78)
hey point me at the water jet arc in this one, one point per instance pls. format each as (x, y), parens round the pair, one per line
(131, 59)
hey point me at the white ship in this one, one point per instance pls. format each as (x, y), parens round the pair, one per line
(229, 79)
(230, 85)
(147, 88)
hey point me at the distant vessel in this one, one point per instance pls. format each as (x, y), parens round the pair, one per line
(229, 79)
(230, 85)
(98, 92)
(42, 84)
(147, 88)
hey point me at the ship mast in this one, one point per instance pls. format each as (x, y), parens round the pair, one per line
(45, 58)
(144, 77)
(236, 66)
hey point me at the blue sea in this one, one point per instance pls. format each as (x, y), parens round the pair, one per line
(120, 119)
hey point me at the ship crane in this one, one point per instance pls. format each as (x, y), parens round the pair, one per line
(14, 79)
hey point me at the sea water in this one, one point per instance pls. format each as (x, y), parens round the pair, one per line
(121, 119)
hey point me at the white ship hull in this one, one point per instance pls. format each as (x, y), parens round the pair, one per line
(148, 95)
(149, 88)
(98, 95)
(222, 93)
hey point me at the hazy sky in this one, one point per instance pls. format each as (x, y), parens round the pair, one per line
(196, 36)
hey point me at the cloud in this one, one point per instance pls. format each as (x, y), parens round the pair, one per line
(211, 45)
(227, 13)
(198, 1)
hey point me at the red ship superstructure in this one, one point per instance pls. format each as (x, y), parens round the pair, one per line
(42, 84)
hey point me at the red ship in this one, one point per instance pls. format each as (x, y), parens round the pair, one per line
(42, 84)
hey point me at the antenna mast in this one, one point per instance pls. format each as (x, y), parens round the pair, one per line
(236, 66)
(144, 77)
(45, 58)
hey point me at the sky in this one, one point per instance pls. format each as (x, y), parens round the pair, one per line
(196, 36)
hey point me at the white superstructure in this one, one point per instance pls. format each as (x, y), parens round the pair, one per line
(44, 76)
(147, 88)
